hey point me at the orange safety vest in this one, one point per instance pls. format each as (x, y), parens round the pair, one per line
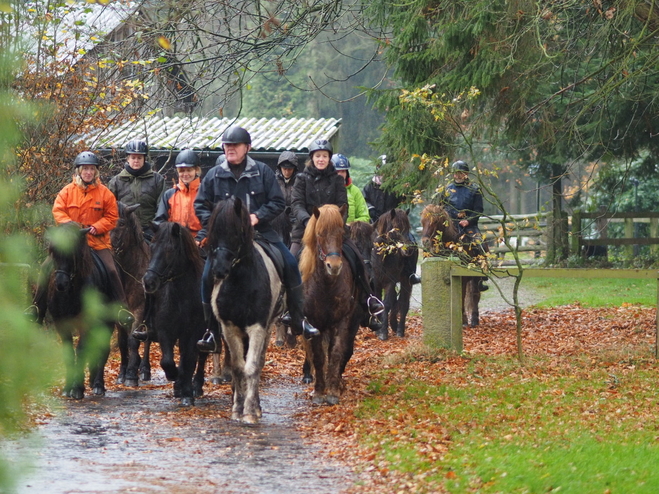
(181, 205)
(93, 206)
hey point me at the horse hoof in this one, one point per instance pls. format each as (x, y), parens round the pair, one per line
(131, 383)
(383, 335)
(279, 343)
(236, 416)
(307, 379)
(99, 391)
(317, 399)
(187, 401)
(198, 392)
(145, 376)
(76, 394)
(332, 400)
(120, 380)
(400, 334)
(250, 419)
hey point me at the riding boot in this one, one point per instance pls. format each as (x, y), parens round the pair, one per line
(294, 318)
(482, 286)
(415, 279)
(208, 342)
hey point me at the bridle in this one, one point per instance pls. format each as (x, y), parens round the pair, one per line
(322, 255)
(234, 255)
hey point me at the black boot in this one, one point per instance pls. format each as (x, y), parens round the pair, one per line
(375, 309)
(208, 342)
(482, 286)
(141, 332)
(294, 318)
(415, 279)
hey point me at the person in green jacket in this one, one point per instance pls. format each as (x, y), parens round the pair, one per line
(139, 183)
(357, 207)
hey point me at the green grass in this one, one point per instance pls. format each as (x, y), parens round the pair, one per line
(592, 292)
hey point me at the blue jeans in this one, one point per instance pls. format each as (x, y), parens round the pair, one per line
(291, 279)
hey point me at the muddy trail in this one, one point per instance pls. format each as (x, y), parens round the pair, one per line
(142, 440)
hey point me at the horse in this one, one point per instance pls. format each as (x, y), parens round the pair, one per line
(283, 226)
(74, 274)
(173, 280)
(246, 299)
(331, 301)
(440, 237)
(391, 247)
(132, 254)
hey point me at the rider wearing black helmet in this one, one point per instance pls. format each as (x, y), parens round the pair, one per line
(255, 184)
(139, 184)
(463, 201)
(286, 174)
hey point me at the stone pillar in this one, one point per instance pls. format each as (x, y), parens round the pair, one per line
(438, 331)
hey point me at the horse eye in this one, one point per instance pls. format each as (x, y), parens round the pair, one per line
(121, 222)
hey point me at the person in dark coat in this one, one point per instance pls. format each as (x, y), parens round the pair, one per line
(463, 201)
(255, 184)
(139, 184)
(320, 184)
(286, 174)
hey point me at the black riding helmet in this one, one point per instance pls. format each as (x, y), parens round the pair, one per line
(320, 145)
(136, 147)
(236, 135)
(460, 166)
(86, 158)
(187, 159)
(287, 159)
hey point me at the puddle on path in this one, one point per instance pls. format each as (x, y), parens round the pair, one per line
(143, 441)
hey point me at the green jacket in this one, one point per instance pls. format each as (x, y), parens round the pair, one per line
(144, 190)
(357, 208)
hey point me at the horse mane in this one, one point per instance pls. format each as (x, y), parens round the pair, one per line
(73, 247)
(435, 218)
(326, 223)
(187, 246)
(225, 221)
(134, 232)
(394, 223)
(361, 234)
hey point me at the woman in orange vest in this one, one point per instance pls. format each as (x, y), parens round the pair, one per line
(91, 204)
(177, 203)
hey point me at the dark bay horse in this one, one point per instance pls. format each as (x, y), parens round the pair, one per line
(173, 280)
(75, 274)
(391, 247)
(132, 255)
(330, 301)
(247, 297)
(440, 237)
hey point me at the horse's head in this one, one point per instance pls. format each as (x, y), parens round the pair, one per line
(323, 240)
(230, 237)
(68, 250)
(173, 253)
(128, 231)
(436, 228)
(361, 233)
(392, 233)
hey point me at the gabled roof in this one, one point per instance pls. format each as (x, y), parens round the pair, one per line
(274, 134)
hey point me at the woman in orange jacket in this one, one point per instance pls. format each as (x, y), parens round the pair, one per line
(91, 204)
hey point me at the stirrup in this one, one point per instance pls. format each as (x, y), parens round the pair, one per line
(207, 343)
(286, 319)
(374, 312)
(141, 332)
(32, 313)
(375, 323)
(125, 318)
(308, 330)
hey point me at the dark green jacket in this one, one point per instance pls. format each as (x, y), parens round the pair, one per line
(144, 190)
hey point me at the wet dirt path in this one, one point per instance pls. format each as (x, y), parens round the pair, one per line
(143, 441)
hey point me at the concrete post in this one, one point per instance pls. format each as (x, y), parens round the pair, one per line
(436, 305)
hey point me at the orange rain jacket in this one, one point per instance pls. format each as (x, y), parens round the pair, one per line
(177, 204)
(93, 206)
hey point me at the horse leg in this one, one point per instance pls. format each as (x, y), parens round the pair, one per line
(198, 380)
(187, 363)
(69, 355)
(167, 359)
(134, 362)
(145, 365)
(77, 384)
(389, 301)
(98, 359)
(280, 334)
(318, 349)
(471, 300)
(403, 306)
(234, 342)
(465, 285)
(339, 354)
(124, 352)
(254, 362)
(393, 313)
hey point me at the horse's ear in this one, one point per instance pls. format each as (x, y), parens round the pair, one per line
(393, 214)
(316, 212)
(176, 229)
(344, 212)
(130, 209)
(85, 231)
(238, 206)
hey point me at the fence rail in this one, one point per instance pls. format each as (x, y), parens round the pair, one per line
(527, 232)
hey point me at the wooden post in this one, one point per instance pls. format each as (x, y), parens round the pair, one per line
(656, 332)
(436, 303)
(629, 233)
(654, 233)
(577, 234)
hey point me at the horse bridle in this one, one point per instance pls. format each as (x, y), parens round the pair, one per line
(234, 255)
(322, 255)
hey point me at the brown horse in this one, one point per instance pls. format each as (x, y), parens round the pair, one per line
(330, 301)
(391, 247)
(132, 255)
(440, 237)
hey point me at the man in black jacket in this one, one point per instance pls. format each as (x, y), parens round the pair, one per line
(255, 184)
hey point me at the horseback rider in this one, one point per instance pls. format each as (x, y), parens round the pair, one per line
(320, 184)
(255, 184)
(286, 174)
(91, 204)
(139, 184)
(357, 207)
(463, 201)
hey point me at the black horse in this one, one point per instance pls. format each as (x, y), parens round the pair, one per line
(247, 297)
(132, 257)
(173, 280)
(391, 247)
(75, 274)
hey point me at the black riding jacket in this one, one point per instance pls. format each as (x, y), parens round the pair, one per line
(463, 202)
(257, 187)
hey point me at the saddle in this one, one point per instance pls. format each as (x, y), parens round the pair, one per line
(104, 276)
(273, 253)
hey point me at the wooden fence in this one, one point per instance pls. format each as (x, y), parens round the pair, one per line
(442, 295)
(527, 232)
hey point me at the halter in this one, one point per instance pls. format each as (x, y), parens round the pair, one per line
(322, 255)
(66, 273)
(234, 255)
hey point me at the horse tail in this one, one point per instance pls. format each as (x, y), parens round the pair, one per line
(308, 255)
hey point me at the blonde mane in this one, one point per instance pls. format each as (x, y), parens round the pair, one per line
(329, 221)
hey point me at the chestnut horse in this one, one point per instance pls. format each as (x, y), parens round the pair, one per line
(440, 237)
(330, 301)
